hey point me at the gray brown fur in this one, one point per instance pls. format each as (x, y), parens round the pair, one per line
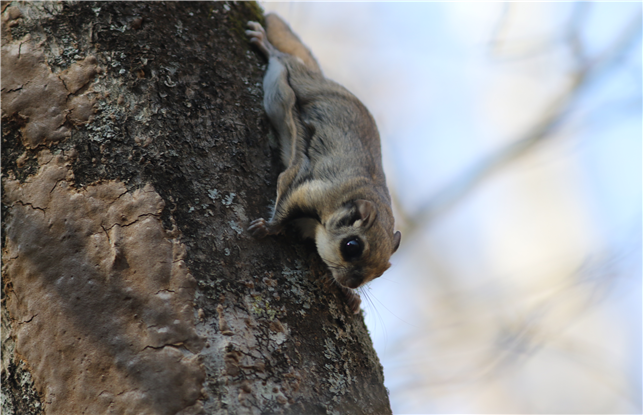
(333, 185)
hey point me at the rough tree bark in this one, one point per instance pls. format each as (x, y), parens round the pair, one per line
(134, 153)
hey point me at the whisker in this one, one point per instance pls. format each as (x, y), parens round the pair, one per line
(335, 264)
(367, 295)
(395, 315)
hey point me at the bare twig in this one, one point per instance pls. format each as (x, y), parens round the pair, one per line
(573, 33)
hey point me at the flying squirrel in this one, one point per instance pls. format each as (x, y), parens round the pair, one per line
(333, 186)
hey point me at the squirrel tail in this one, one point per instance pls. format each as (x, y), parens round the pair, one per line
(283, 38)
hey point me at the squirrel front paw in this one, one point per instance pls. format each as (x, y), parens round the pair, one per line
(353, 299)
(260, 228)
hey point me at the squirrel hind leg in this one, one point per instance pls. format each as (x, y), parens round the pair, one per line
(259, 38)
(286, 41)
(279, 102)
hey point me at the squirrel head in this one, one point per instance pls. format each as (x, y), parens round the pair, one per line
(355, 244)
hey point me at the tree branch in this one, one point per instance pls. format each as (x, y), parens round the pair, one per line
(559, 108)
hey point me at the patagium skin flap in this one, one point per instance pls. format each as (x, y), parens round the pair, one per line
(333, 186)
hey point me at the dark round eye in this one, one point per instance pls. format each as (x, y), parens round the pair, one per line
(351, 248)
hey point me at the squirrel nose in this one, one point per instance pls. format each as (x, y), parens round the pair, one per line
(354, 281)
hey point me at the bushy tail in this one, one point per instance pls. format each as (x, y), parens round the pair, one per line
(283, 38)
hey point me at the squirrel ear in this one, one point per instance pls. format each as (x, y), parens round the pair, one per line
(397, 237)
(367, 212)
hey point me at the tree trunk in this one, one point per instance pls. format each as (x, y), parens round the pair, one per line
(135, 151)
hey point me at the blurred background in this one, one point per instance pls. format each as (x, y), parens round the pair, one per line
(511, 136)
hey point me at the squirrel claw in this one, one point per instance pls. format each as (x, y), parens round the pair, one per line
(260, 228)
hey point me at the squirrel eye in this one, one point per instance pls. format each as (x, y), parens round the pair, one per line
(351, 249)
